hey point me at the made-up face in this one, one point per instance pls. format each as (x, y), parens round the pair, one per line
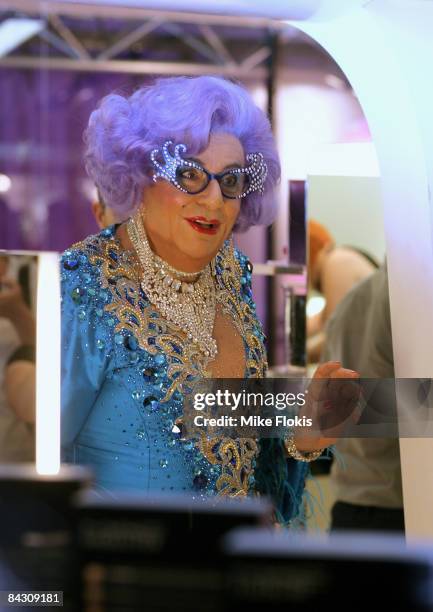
(187, 230)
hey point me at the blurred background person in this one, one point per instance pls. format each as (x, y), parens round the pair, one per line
(20, 384)
(332, 271)
(17, 334)
(367, 476)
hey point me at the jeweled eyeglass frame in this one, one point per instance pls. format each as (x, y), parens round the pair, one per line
(257, 169)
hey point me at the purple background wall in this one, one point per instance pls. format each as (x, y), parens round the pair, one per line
(42, 117)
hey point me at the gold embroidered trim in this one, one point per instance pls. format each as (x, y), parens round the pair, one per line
(236, 459)
(121, 277)
(145, 322)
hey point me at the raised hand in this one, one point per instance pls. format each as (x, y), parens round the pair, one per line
(331, 402)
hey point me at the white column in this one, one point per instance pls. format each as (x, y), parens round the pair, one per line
(48, 365)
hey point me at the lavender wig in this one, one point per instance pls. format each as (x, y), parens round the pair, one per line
(123, 131)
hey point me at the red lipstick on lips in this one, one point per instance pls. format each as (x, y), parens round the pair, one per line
(203, 225)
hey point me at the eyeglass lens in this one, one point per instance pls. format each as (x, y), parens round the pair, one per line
(195, 180)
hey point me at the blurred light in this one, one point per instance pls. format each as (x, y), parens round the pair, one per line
(277, 9)
(334, 81)
(315, 305)
(84, 95)
(357, 131)
(327, 10)
(5, 183)
(48, 365)
(14, 32)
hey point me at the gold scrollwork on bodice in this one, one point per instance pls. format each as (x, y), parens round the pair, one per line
(120, 275)
(236, 459)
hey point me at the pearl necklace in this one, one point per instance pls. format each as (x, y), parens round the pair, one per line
(190, 306)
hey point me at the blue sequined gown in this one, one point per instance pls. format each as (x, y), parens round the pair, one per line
(123, 371)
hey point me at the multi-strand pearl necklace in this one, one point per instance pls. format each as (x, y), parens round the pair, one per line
(189, 305)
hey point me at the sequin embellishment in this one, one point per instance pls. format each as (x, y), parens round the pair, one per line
(138, 327)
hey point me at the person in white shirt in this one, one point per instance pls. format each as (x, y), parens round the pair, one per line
(367, 478)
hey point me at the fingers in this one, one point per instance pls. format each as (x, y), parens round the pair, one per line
(326, 380)
(333, 369)
(333, 396)
(344, 373)
(324, 370)
(320, 379)
(323, 376)
(343, 394)
(343, 385)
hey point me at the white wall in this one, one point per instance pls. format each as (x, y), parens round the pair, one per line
(385, 48)
(352, 210)
(313, 109)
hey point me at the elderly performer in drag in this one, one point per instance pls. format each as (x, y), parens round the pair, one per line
(164, 298)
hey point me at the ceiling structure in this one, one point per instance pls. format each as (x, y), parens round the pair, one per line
(96, 38)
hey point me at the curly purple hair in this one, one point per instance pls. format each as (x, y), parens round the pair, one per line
(123, 131)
